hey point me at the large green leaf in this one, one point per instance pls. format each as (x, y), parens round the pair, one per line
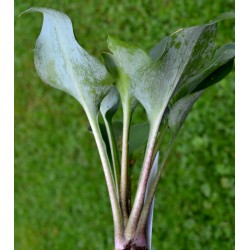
(185, 62)
(126, 60)
(187, 51)
(63, 64)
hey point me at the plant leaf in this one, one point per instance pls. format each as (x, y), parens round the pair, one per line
(157, 51)
(109, 104)
(221, 66)
(127, 59)
(180, 110)
(111, 64)
(179, 59)
(224, 16)
(188, 50)
(138, 136)
(63, 64)
(117, 129)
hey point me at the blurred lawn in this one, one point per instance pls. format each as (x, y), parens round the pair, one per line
(61, 201)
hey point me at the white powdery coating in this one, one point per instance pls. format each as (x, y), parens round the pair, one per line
(62, 63)
(186, 53)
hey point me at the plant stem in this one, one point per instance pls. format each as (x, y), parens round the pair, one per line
(117, 216)
(114, 154)
(124, 162)
(160, 140)
(146, 208)
(141, 189)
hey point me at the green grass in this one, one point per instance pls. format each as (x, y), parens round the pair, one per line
(61, 201)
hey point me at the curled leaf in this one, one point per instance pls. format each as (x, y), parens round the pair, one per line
(126, 60)
(109, 104)
(63, 64)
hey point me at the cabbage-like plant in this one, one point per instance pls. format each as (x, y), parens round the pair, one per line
(167, 81)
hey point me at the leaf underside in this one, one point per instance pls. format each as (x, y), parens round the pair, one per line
(63, 64)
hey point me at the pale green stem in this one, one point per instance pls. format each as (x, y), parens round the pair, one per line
(146, 208)
(114, 154)
(141, 189)
(117, 216)
(124, 162)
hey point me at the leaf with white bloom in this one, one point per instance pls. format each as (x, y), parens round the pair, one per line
(158, 50)
(127, 58)
(63, 64)
(187, 51)
(182, 61)
(203, 68)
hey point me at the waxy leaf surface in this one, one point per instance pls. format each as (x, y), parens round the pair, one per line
(205, 65)
(186, 53)
(63, 64)
(127, 59)
(109, 104)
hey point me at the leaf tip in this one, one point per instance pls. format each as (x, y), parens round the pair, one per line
(34, 9)
(223, 16)
(25, 12)
(111, 40)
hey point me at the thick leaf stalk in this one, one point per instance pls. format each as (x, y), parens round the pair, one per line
(124, 194)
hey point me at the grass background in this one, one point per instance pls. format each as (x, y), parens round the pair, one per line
(61, 201)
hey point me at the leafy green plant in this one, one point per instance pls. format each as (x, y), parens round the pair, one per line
(166, 82)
